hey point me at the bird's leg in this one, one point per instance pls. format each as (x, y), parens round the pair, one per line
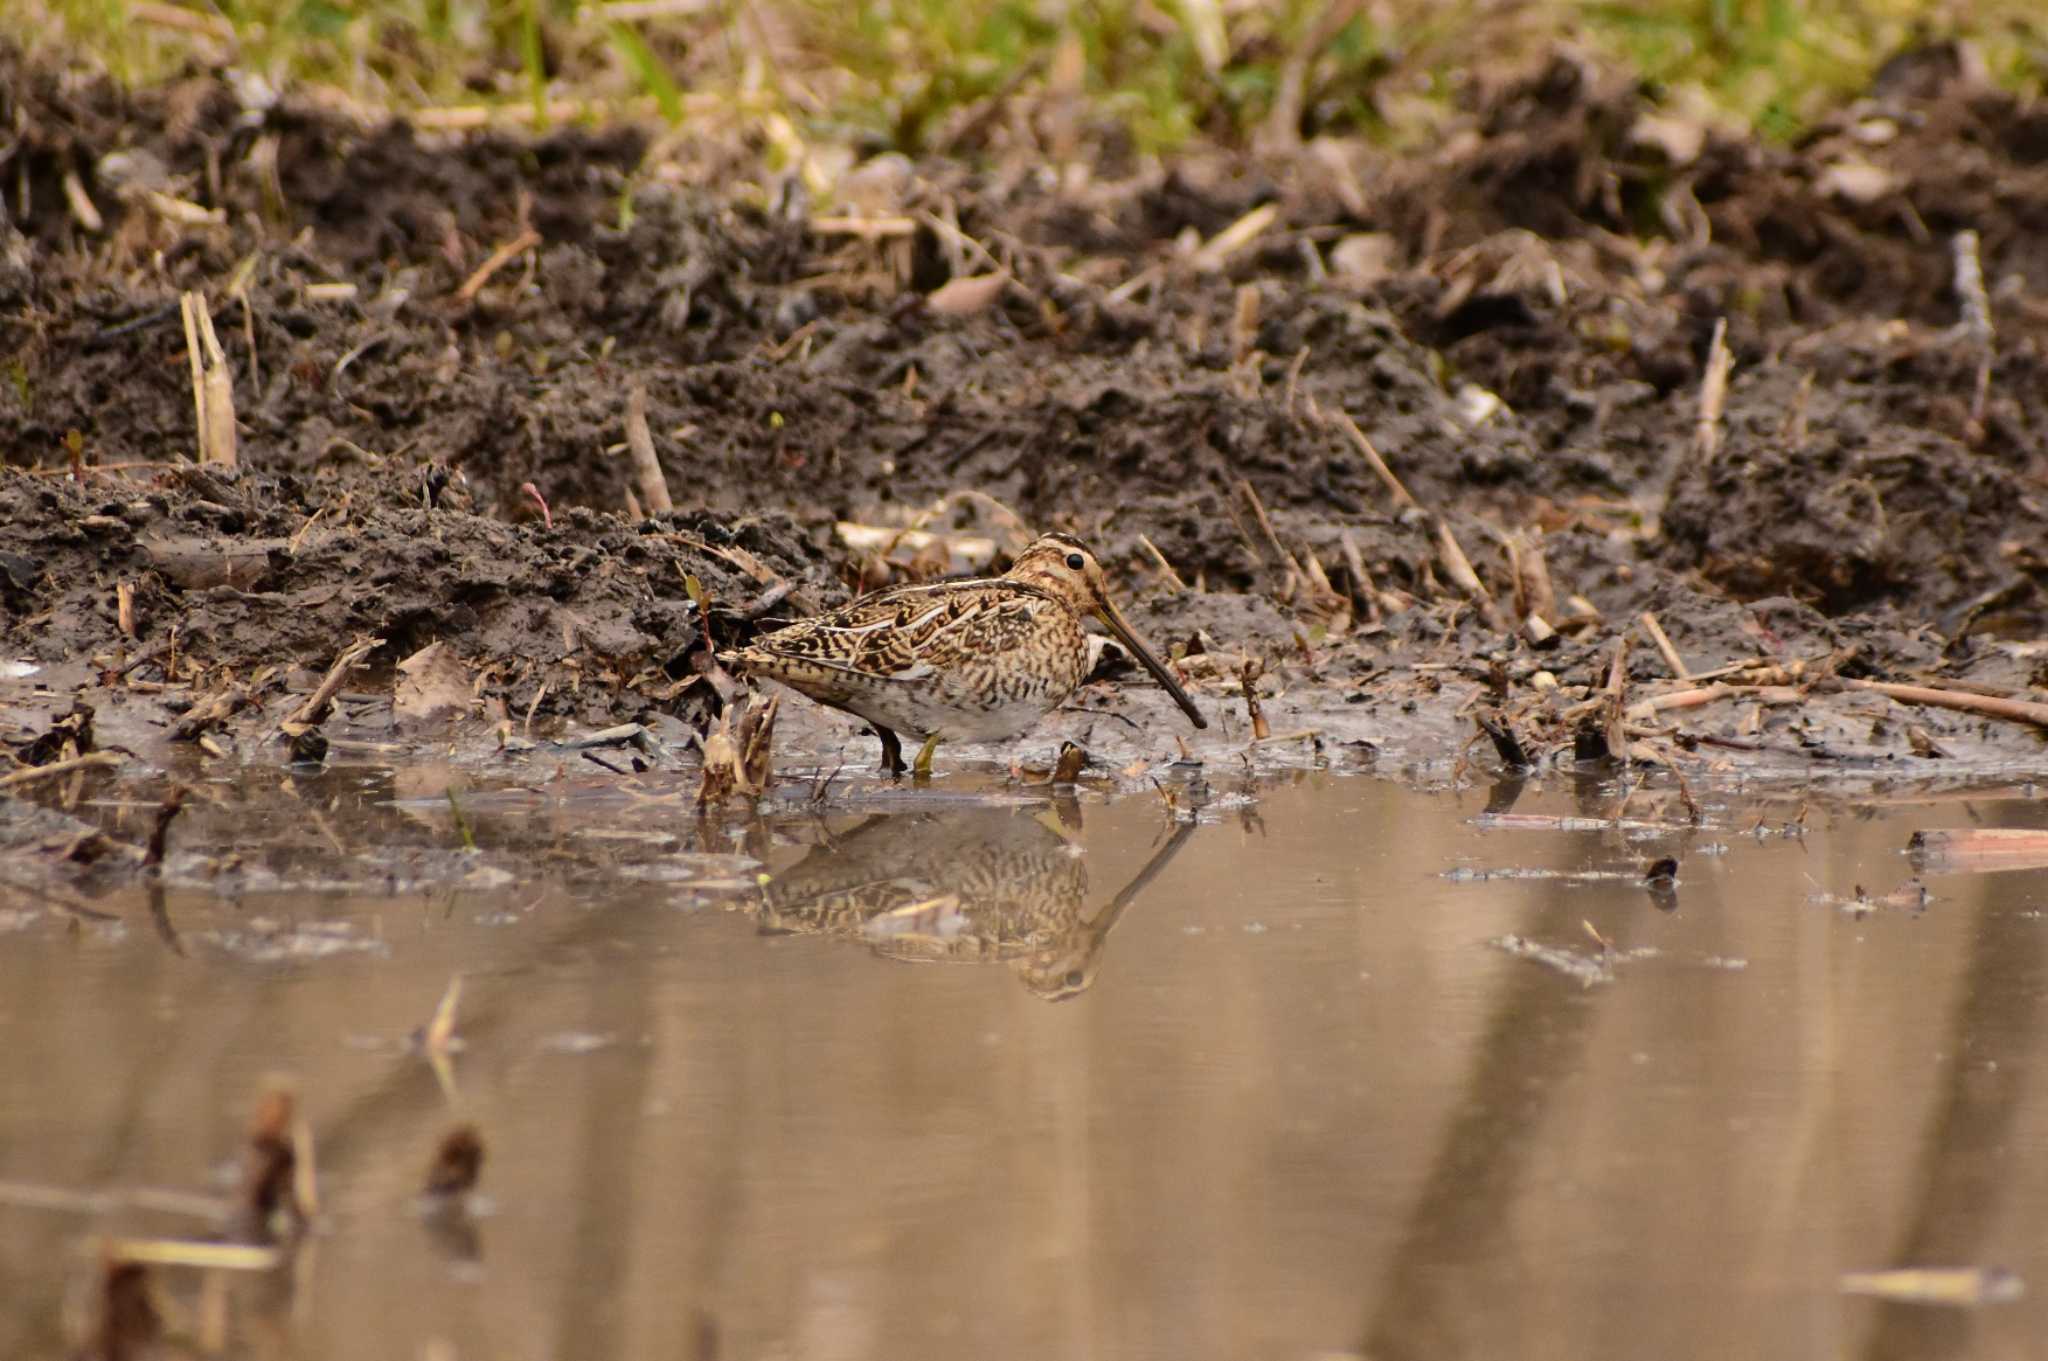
(924, 756)
(892, 751)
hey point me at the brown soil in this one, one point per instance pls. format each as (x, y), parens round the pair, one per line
(1860, 515)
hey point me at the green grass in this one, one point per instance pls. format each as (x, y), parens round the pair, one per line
(901, 73)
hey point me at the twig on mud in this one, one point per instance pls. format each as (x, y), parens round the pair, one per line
(67, 469)
(1297, 735)
(1214, 253)
(210, 712)
(1251, 496)
(315, 707)
(951, 232)
(1136, 284)
(1173, 578)
(1713, 392)
(646, 465)
(1706, 694)
(1964, 701)
(867, 228)
(1650, 625)
(1294, 368)
(213, 389)
(527, 239)
(64, 767)
(1373, 459)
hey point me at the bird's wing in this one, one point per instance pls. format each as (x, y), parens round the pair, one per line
(902, 635)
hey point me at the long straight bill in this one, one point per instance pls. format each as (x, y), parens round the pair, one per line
(1110, 616)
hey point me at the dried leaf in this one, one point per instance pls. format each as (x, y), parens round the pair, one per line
(431, 682)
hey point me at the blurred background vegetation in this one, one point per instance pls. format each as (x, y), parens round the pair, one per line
(906, 74)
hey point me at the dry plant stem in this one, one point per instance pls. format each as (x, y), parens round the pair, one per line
(1363, 587)
(1795, 428)
(1664, 647)
(646, 465)
(1251, 495)
(497, 260)
(1976, 323)
(1990, 706)
(1246, 678)
(1378, 464)
(1617, 700)
(1713, 393)
(867, 227)
(1173, 578)
(1218, 249)
(1707, 694)
(1244, 324)
(315, 707)
(81, 205)
(166, 813)
(213, 390)
(64, 767)
(1459, 568)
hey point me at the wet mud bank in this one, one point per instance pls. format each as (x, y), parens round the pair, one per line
(1585, 436)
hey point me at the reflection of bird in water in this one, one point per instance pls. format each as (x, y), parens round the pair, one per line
(978, 885)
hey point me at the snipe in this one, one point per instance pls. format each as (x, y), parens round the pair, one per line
(957, 661)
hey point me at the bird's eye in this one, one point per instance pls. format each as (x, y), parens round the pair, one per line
(1075, 978)
(1075, 562)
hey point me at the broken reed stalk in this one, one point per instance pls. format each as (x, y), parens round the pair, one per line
(315, 707)
(213, 389)
(1795, 426)
(1246, 677)
(1707, 694)
(646, 465)
(1377, 464)
(1964, 701)
(1648, 619)
(159, 832)
(1976, 323)
(64, 767)
(1363, 587)
(1713, 393)
(1617, 700)
(1244, 323)
(1214, 253)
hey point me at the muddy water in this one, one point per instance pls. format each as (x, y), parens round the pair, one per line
(1335, 1067)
